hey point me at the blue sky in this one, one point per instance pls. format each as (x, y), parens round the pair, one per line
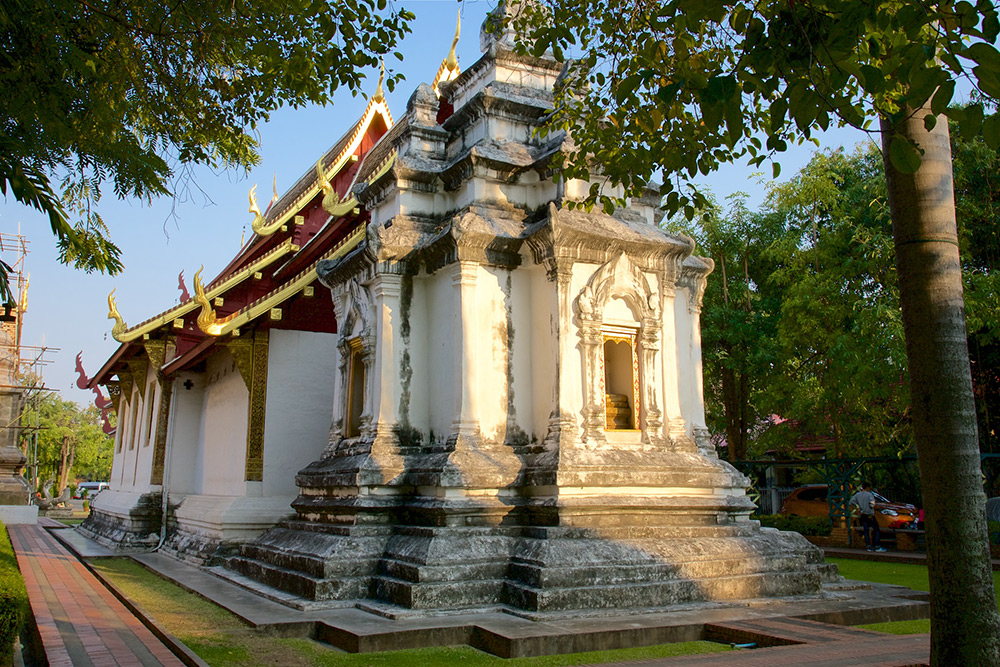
(203, 225)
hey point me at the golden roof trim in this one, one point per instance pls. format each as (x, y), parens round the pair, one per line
(221, 327)
(128, 335)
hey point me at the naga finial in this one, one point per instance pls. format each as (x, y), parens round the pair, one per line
(206, 318)
(451, 61)
(379, 96)
(119, 328)
(330, 197)
(259, 224)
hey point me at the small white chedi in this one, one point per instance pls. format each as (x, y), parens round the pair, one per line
(518, 417)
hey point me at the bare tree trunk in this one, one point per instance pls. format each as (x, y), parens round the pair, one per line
(965, 625)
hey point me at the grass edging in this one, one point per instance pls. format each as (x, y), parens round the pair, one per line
(176, 646)
(13, 597)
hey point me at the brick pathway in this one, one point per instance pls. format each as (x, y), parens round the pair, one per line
(80, 622)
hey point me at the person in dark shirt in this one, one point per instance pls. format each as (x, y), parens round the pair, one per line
(864, 500)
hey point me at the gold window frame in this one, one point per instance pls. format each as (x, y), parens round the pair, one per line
(622, 335)
(354, 351)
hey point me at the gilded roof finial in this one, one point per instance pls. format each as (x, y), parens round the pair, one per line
(119, 328)
(451, 62)
(259, 223)
(206, 318)
(379, 96)
(449, 69)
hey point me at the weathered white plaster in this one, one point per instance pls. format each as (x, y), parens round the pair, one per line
(222, 518)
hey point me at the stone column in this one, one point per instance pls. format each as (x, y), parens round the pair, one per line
(465, 426)
(702, 436)
(479, 464)
(384, 383)
(562, 425)
(594, 420)
(676, 428)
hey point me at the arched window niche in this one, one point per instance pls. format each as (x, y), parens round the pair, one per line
(352, 417)
(618, 313)
(355, 388)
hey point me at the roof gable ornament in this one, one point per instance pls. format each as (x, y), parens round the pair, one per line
(259, 224)
(119, 328)
(206, 318)
(331, 200)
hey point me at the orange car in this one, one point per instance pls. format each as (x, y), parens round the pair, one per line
(811, 501)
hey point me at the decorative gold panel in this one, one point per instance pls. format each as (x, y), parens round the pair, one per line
(160, 444)
(138, 366)
(258, 400)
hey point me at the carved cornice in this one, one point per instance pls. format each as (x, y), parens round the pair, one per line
(694, 277)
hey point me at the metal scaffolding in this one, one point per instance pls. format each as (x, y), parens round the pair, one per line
(22, 383)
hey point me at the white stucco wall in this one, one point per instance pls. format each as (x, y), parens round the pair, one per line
(300, 372)
(184, 442)
(690, 380)
(222, 465)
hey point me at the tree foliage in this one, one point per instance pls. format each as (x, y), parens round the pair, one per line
(104, 94)
(59, 420)
(801, 317)
(682, 86)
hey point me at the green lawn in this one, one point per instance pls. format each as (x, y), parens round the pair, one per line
(222, 640)
(911, 576)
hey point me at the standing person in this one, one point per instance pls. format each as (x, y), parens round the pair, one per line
(865, 502)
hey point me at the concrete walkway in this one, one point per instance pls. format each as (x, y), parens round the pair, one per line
(79, 621)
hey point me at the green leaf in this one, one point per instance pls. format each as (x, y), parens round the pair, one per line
(985, 55)
(942, 97)
(775, 170)
(971, 122)
(991, 131)
(904, 156)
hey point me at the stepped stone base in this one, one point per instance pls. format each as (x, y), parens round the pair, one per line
(124, 520)
(395, 549)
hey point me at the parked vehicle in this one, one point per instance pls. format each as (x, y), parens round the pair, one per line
(90, 489)
(812, 501)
